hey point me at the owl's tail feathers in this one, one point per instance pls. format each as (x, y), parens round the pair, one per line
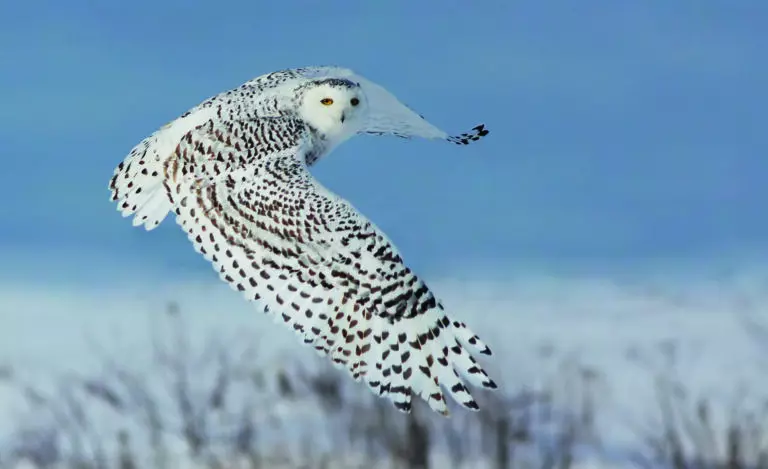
(466, 138)
(137, 185)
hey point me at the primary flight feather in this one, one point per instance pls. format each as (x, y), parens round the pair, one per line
(234, 170)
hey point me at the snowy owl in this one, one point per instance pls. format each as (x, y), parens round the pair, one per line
(234, 170)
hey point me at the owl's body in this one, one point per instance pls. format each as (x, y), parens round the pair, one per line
(234, 170)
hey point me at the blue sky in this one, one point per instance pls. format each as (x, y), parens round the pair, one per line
(620, 132)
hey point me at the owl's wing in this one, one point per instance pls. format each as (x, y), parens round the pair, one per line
(137, 182)
(389, 116)
(305, 255)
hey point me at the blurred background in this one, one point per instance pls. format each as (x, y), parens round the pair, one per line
(607, 239)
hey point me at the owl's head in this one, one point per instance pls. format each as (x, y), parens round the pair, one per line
(334, 107)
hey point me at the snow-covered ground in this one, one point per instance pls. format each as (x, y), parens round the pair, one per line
(615, 325)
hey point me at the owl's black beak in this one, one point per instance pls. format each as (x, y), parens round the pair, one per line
(343, 117)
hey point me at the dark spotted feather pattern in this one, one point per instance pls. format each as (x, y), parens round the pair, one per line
(242, 192)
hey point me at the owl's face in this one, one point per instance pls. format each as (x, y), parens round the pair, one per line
(335, 108)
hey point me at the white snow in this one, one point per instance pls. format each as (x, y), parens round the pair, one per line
(615, 326)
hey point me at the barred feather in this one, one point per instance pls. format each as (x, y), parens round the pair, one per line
(309, 258)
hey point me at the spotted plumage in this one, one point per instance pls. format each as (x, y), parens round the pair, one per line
(234, 170)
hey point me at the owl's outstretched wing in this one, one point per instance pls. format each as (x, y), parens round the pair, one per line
(389, 116)
(242, 192)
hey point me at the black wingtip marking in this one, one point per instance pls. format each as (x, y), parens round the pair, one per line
(466, 138)
(481, 130)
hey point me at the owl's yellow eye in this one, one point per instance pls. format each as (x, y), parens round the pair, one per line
(326, 101)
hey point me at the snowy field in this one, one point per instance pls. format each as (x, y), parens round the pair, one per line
(616, 326)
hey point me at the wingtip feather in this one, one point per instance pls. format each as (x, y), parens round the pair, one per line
(477, 132)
